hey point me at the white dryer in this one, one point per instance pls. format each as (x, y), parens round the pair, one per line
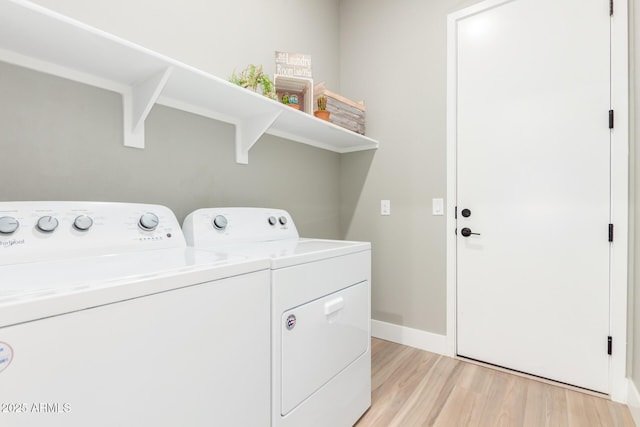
(320, 312)
(108, 319)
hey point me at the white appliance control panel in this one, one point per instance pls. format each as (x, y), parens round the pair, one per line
(219, 226)
(39, 231)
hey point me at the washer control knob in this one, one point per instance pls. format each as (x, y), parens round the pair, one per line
(8, 224)
(273, 220)
(82, 223)
(47, 224)
(148, 221)
(220, 222)
(282, 220)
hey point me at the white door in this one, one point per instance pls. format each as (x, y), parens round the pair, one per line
(533, 169)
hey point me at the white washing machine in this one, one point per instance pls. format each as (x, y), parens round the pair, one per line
(108, 319)
(320, 312)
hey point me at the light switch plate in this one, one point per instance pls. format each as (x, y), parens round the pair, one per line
(438, 206)
(385, 207)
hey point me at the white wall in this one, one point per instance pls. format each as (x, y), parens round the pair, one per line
(633, 350)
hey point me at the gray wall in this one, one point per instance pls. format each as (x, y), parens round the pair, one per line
(393, 55)
(219, 36)
(63, 140)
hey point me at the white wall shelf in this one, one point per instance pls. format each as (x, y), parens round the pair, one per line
(37, 38)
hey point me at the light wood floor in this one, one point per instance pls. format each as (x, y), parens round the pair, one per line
(417, 388)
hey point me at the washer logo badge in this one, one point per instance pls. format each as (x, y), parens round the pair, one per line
(291, 322)
(6, 355)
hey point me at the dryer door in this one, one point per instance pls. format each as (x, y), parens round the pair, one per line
(319, 339)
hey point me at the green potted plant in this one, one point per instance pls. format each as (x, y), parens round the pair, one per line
(293, 102)
(255, 79)
(322, 112)
(290, 100)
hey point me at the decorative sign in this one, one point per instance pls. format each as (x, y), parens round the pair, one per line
(293, 65)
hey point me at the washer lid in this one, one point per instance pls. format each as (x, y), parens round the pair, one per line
(35, 290)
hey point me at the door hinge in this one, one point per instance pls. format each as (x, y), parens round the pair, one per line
(610, 119)
(610, 7)
(611, 232)
(609, 345)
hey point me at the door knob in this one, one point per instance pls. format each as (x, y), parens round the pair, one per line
(466, 232)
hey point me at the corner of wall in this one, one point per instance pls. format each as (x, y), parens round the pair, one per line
(633, 401)
(423, 340)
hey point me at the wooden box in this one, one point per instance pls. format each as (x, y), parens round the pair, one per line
(344, 112)
(296, 86)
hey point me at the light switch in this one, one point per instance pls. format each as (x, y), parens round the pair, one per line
(438, 206)
(385, 207)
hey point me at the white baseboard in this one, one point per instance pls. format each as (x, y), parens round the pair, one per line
(423, 340)
(633, 401)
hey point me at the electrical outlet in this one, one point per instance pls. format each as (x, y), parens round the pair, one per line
(385, 207)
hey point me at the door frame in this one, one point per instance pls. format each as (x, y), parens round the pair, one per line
(619, 187)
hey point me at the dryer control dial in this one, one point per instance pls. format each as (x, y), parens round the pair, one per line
(8, 224)
(282, 220)
(220, 222)
(47, 224)
(149, 221)
(272, 220)
(82, 223)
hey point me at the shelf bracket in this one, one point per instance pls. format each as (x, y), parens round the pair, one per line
(137, 103)
(249, 131)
